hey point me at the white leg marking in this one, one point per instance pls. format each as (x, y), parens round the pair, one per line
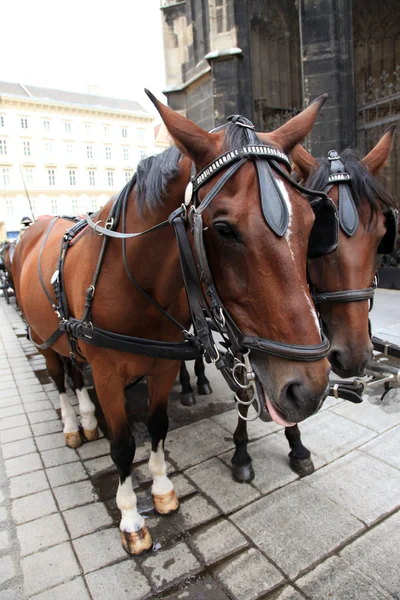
(86, 410)
(161, 484)
(68, 415)
(131, 520)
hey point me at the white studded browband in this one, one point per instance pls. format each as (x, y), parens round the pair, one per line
(338, 177)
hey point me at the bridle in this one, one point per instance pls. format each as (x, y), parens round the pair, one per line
(207, 311)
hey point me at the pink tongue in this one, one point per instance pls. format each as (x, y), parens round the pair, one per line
(274, 415)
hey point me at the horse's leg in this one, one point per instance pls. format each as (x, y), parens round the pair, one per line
(242, 468)
(110, 392)
(299, 456)
(55, 367)
(86, 406)
(186, 397)
(164, 498)
(203, 385)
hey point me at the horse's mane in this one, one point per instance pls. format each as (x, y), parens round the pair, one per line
(363, 184)
(155, 172)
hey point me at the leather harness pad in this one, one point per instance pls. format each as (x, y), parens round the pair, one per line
(273, 204)
(388, 242)
(324, 235)
(348, 215)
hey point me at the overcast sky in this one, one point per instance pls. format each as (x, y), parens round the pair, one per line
(115, 44)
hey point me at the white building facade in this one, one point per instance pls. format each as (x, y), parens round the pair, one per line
(70, 151)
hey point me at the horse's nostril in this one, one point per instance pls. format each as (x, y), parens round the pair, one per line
(336, 359)
(299, 401)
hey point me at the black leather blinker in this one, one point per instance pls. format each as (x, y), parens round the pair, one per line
(348, 215)
(273, 204)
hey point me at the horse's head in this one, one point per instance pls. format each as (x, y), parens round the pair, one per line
(255, 233)
(361, 201)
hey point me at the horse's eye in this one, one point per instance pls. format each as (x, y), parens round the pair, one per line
(226, 231)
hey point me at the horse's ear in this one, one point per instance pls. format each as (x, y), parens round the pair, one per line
(375, 159)
(303, 163)
(191, 139)
(296, 129)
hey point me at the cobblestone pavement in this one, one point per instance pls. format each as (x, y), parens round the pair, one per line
(334, 534)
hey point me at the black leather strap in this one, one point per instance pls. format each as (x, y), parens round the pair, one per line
(344, 296)
(310, 353)
(351, 391)
(49, 342)
(386, 347)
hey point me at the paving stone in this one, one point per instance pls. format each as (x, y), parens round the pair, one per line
(19, 448)
(66, 474)
(362, 484)
(11, 411)
(49, 568)
(75, 589)
(255, 429)
(11, 422)
(336, 580)
(386, 447)
(5, 394)
(94, 449)
(7, 570)
(10, 401)
(375, 555)
(373, 413)
(23, 464)
(15, 434)
(288, 593)
(248, 575)
(99, 549)
(42, 416)
(87, 519)
(197, 510)
(123, 581)
(218, 541)
(329, 436)
(59, 456)
(5, 541)
(48, 442)
(186, 453)
(28, 484)
(168, 566)
(215, 479)
(33, 397)
(46, 428)
(182, 485)
(40, 405)
(97, 465)
(203, 589)
(33, 507)
(40, 534)
(75, 494)
(296, 525)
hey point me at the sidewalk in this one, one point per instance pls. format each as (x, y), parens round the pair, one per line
(334, 534)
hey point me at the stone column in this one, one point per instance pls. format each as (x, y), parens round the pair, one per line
(327, 65)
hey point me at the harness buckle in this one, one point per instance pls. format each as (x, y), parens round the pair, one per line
(95, 228)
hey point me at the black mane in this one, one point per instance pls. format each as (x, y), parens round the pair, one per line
(154, 173)
(363, 184)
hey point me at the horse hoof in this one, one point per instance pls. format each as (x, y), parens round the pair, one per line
(136, 542)
(73, 439)
(243, 473)
(166, 503)
(301, 466)
(204, 389)
(91, 434)
(188, 399)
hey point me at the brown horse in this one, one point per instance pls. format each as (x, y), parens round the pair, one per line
(7, 255)
(261, 279)
(350, 269)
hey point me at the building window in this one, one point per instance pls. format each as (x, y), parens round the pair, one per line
(54, 206)
(222, 16)
(124, 132)
(92, 180)
(1, 121)
(72, 177)
(52, 176)
(9, 207)
(110, 176)
(108, 153)
(27, 148)
(126, 153)
(88, 129)
(89, 151)
(141, 135)
(3, 147)
(46, 125)
(6, 177)
(67, 127)
(29, 176)
(74, 206)
(127, 176)
(49, 148)
(24, 123)
(94, 204)
(33, 205)
(106, 131)
(70, 150)
(143, 154)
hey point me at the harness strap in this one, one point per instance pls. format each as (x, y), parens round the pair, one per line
(46, 237)
(345, 296)
(287, 351)
(49, 342)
